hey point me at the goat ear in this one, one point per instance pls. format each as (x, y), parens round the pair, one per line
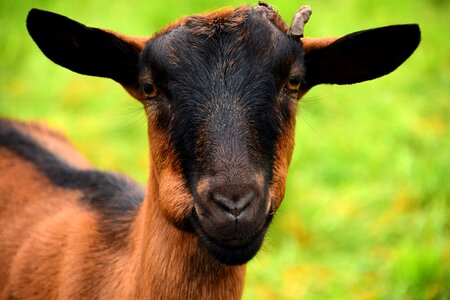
(359, 56)
(86, 50)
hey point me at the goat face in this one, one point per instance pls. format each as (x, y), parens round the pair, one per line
(220, 94)
(224, 102)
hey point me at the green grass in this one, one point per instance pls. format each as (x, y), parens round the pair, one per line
(366, 213)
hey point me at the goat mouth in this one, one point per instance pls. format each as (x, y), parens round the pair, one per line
(234, 251)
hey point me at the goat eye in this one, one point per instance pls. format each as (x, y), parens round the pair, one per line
(150, 91)
(294, 83)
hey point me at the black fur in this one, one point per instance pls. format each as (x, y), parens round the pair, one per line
(110, 194)
(219, 98)
(362, 55)
(78, 47)
(223, 102)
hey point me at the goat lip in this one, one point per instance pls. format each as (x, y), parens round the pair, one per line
(234, 251)
(240, 242)
(236, 243)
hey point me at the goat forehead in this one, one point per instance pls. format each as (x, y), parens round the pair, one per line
(221, 81)
(227, 19)
(201, 53)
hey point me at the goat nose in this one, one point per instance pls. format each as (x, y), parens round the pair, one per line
(233, 202)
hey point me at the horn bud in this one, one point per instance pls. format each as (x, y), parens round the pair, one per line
(299, 20)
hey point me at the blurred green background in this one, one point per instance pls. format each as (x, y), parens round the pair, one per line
(366, 213)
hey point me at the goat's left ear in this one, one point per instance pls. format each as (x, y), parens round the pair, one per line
(87, 50)
(359, 56)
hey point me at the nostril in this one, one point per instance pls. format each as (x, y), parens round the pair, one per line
(233, 203)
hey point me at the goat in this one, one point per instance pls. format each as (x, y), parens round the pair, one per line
(220, 91)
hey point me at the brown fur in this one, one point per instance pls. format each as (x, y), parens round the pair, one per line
(31, 228)
(316, 43)
(53, 141)
(173, 197)
(53, 249)
(283, 155)
(53, 245)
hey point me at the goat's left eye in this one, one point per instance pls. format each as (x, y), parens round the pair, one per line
(150, 91)
(294, 83)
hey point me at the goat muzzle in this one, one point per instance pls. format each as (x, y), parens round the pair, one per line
(231, 221)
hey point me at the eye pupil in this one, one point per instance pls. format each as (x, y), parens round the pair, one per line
(295, 81)
(150, 91)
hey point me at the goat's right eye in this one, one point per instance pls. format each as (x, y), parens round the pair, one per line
(150, 91)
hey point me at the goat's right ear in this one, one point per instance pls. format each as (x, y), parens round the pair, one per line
(86, 50)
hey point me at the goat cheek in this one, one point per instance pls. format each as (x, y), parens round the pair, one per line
(175, 199)
(283, 155)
